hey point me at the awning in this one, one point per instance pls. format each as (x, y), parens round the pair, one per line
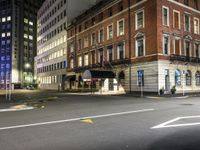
(71, 78)
(97, 74)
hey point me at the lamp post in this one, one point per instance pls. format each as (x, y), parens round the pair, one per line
(26, 73)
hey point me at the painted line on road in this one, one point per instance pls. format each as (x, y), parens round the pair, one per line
(167, 124)
(15, 109)
(75, 119)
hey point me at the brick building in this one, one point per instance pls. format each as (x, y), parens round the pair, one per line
(134, 45)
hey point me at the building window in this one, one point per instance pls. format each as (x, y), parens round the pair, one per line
(80, 44)
(71, 63)
(120, 51)
(188, 77)
(30, 37)
(3, 19)
(71, 47)
(166, 44)
(8, 18)
(176, 19)
(80, 61)
(101, 36)
(139, 19)
(120, 27)
(3, 35)
(177, 44)
(197, 78)
(110, 32)
(110, 12)
(31, 23)
(165, 14)
(110, 53)
(140, 45)
(93, 39)
(196, 26)
(187, 48)
(187, 22)
(101, 57)
(25, 36)
(177, 77)
(93, 57)
(197, 51)
(120, 6)
(85, 42)
(186, 2)
(25, 20)
(86, 60)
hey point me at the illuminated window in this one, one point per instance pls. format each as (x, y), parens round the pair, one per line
(25, 20)
(8, 18)
(31, 23)
(8, 33)
(30, 37)
(3, 35)
(4, 19)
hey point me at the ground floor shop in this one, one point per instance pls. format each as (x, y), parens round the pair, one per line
(151, 77)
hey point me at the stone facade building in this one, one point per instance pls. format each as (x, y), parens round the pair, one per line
(135, 45)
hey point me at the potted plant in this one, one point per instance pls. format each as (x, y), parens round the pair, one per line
(162, 91)
(173, 90)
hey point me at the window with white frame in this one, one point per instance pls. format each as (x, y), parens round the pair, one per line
(86, 60)
(187, 48)
(93, 39)
(196, 26)
(187, 22)
(177, 45)
(166, 44)
(176, 19)
(139, 17)
(120, 51)
(110, 32)
(165, 16)
(85, 42)
(110, 53)
(80, 61)
(101, 56)
(140, 45)
(120, 27)
(101, 36)
(197, 51)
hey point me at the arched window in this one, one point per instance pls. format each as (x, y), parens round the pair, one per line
(188, 77)
(177, 77)
(197, 77)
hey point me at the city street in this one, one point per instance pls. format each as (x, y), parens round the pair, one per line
(75, 122)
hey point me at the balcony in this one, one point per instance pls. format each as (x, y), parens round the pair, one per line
(104, 65)
(181, 58)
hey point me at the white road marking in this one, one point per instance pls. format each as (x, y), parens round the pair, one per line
(75, 119)
(15, 109)
(167, 124)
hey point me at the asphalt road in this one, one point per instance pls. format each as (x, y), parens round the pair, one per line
(70, 122)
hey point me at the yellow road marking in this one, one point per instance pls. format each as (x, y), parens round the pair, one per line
(87, 121)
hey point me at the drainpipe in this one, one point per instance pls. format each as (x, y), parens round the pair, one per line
(129, 28)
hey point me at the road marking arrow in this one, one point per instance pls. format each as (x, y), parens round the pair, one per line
(90, 121)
